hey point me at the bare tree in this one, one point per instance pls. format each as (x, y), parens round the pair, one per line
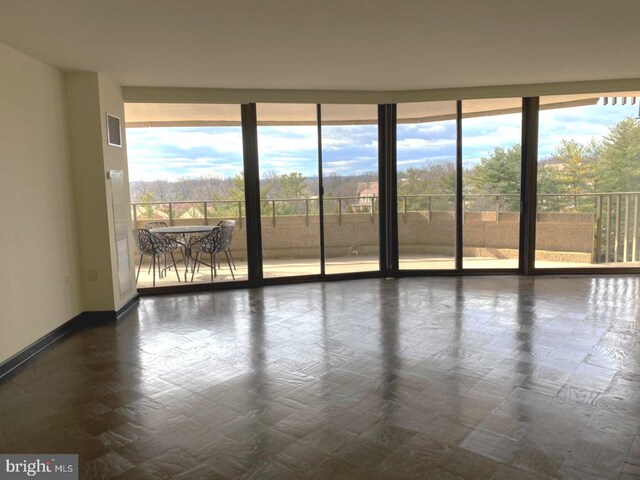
(161, 190)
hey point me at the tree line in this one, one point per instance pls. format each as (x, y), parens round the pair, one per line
(572, 170)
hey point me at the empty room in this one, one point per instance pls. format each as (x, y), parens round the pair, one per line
(331, 240)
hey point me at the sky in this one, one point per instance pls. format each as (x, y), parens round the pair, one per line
(176, 152)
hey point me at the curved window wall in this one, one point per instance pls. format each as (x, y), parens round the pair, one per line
(456, 197)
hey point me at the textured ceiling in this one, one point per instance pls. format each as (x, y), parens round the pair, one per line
(330, 44)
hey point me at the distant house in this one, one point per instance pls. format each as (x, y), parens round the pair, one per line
(367, 192)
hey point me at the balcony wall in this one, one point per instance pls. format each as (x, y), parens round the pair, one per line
(561, 236)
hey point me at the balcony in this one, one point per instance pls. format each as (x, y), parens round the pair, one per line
(573, 231)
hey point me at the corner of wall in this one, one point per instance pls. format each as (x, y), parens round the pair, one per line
(115, 158)
(89, 185)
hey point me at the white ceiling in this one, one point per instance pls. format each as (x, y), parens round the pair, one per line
(330, 44)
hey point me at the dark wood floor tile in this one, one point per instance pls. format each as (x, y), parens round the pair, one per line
(450, 378)
(614, 423)
(201, 472)
(579, 395)
(593, 460)
(271, 470)
(107, 466)
(505, 472)
(388, 435)
(593, 377)
(335, 468)
(614, 441)
(329, 438)
(231, 459)
(630, 470)
(401, 464)
(538, 458)
(301, 424)
(299, 457)
(634, 451)
(490, 445)
(173, 462)
(364, 452)
(468, 464)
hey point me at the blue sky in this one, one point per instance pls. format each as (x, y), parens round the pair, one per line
(172, 153)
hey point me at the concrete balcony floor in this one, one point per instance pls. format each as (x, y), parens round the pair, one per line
(293, 267)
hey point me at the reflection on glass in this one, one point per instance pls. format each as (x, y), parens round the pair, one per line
(588, 181)
(186, 169)
(288, 157)
(350, 180)
(491, 135)
(426, 152)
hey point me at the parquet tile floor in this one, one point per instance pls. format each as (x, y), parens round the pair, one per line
(497, 378)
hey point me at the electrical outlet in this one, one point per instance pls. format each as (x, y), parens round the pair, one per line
(93, 275)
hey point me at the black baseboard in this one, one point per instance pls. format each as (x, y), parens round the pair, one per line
(80, 321)
(127, 306)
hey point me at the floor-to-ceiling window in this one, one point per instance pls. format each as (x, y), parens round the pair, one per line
(350, 180)
(186, 174)
(320, 204)
(491, 136)
(426, 172)
(588, 181)
(289, 190)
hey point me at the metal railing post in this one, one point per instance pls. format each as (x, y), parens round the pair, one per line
(625, 247)
(497, 208)
(404, 208)
(373, 206)
(306, 211)
(598, 243)
(206, 219)
(429, 208)
(273, 210)
(616, 245)
(634, 247)
(240, 213)
(170, 213)
(608, 232)
(339, 211)
(135, 215)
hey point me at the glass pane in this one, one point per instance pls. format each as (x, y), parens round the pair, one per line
(426, 151)
(491, 135)
(186, 171)
(350, 180)
(288, 156)
(588, 181)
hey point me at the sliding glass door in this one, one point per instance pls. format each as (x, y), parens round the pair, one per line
(289, 190)
(350, 181)
(426, 171)
(492, 163)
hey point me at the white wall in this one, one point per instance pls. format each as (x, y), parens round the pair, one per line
(115, 158)
(39, 269)
(85, 139)
(90, 96)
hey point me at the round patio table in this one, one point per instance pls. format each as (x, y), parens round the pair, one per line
(185, 231)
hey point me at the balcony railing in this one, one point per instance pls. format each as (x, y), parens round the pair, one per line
(615, 215)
